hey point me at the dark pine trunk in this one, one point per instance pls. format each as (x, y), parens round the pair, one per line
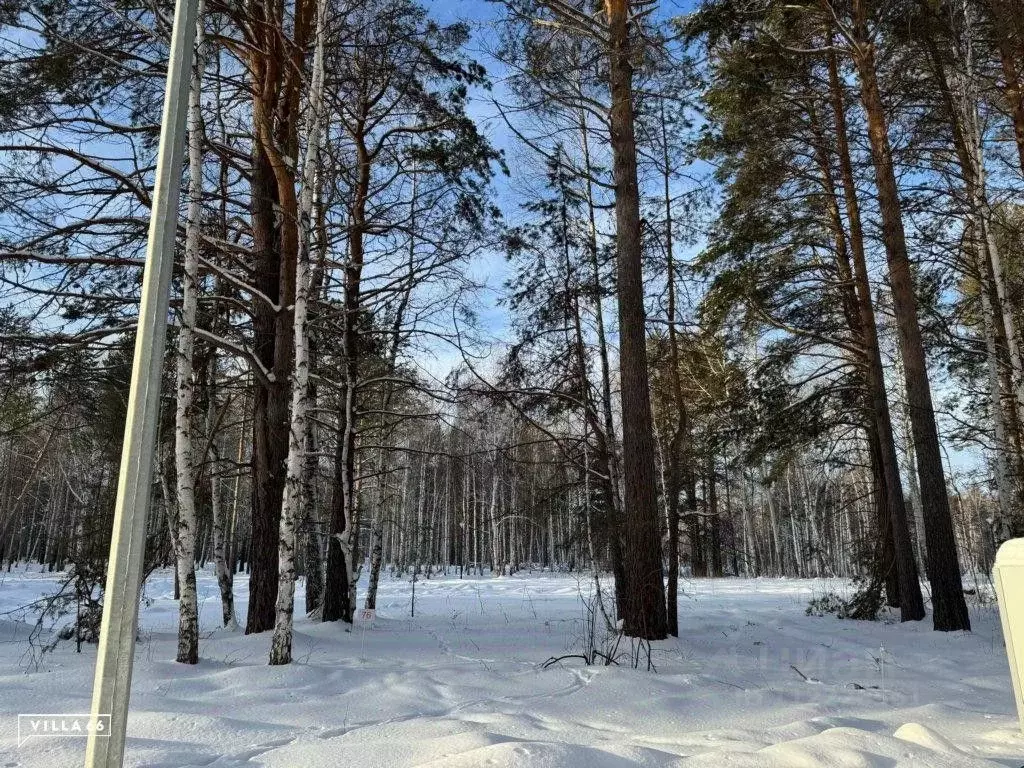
(892, 510)
(275, 72)
(270, 406)
(943, 564)
(643, 605)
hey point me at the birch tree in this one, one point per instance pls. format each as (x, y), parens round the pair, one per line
(186, 521)
(281, 644)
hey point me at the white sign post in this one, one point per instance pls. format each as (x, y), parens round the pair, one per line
(1008, 575)
(113, 679)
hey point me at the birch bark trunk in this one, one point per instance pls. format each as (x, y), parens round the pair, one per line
(184, 433)
(281, 644)
(493, 519)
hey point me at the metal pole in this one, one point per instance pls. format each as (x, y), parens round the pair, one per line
(112, 683)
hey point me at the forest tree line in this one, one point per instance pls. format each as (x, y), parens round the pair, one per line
(762, 275)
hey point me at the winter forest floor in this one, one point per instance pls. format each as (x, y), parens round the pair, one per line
(462, 685)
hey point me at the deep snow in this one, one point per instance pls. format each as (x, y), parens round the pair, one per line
(462, 685)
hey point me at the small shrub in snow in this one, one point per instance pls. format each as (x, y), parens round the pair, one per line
(867, 602)
(865, 605)
(828, 603)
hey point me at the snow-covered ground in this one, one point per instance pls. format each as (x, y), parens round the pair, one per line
(462, 685)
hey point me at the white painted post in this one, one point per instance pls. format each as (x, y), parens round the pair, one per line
(112, 682)
(1008, 575)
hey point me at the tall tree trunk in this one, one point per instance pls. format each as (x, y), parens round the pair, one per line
(1001, 528)
(896, 565)
(397, 327)
(184, 433)
(295, 484)
(342, 572)
(296, 465)
(680, 441)
(950, 609)
(313, 522)
(276, 49)
(644, 602)
(269, 428)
